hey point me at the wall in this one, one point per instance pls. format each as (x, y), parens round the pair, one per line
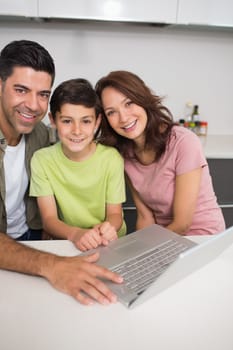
(182, 64)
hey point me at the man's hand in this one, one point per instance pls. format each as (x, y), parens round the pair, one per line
(79, 277)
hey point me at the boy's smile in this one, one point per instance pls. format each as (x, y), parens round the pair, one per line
(76, 126)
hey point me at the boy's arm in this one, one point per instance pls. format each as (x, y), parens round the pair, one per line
(51, 223)
(113, 222)
(83, 239)
(71, 275)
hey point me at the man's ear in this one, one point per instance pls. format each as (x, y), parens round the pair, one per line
(1, 83)
(51, 119)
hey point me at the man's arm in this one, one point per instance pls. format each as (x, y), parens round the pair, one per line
(76, 276)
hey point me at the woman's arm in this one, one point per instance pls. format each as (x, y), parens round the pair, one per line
(186, 193)
(145, 216)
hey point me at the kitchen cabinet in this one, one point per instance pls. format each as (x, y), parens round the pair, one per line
(26, 8)
(130, 212)
(163, 11)
(221, 171)
(205, 12)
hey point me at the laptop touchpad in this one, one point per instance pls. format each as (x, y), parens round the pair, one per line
(129, 247)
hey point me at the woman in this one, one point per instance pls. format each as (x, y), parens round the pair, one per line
(165, 165)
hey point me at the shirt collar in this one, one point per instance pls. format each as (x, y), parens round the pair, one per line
(3, 142)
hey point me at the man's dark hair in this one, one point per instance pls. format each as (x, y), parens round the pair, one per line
(25, 53)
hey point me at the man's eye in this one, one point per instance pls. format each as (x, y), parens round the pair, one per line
(20, 91)
(45, 95)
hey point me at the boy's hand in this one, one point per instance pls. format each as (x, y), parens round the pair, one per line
(89, 240)
(107, 232)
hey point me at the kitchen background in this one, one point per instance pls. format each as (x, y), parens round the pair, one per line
(182, 63)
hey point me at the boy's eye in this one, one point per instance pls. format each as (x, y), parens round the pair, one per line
(66, 121)
(86, 121)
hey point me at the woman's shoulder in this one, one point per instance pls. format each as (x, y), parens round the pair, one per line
(184, 141)
(180, 133)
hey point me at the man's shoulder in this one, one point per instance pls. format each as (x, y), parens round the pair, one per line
(39, 135)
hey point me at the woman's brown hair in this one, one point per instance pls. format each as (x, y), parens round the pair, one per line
(158, 116)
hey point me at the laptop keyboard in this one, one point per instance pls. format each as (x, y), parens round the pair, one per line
(140, 272)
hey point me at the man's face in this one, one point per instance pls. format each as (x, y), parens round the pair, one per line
(24, 98)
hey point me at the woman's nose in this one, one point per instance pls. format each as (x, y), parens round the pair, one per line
(123, 115)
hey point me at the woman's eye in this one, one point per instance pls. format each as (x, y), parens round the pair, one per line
(110, 113)
(128, 103)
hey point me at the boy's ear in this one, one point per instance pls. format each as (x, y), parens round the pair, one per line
(98, 120)
(52, 122)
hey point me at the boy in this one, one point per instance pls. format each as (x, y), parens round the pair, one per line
(79, 183)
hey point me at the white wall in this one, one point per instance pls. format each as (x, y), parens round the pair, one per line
(181, 64)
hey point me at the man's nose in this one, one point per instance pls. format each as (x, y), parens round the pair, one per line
(32, 102)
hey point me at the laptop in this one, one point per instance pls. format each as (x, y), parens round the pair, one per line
(154, 258)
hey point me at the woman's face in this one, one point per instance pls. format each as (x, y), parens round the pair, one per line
(125, 117)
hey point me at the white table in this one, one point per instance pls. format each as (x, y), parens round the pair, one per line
(194, 314)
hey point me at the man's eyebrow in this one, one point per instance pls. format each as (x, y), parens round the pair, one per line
(21, 86)
(45, 91)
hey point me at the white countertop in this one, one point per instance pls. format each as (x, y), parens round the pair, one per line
(195, 313)
(218, 146)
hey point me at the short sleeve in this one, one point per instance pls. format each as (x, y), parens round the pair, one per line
(116, 180)
(189, 153)
(39, 184)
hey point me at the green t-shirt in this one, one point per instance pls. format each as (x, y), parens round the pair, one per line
(81, 189)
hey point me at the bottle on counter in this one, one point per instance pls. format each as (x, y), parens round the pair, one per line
(203, 128)
(195, 114)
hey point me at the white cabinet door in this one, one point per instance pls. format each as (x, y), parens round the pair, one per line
(27, 8)
(163, 11)
(206, 12)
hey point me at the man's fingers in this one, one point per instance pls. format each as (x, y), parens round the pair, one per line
(99, 271)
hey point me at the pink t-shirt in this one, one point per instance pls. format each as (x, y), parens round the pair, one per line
(155, 183)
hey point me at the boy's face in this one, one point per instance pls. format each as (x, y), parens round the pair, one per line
(76, 126)
(24, 98)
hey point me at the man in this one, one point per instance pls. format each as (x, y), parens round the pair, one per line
(26, 77)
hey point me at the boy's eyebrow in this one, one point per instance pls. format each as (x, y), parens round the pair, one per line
(88, 116)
